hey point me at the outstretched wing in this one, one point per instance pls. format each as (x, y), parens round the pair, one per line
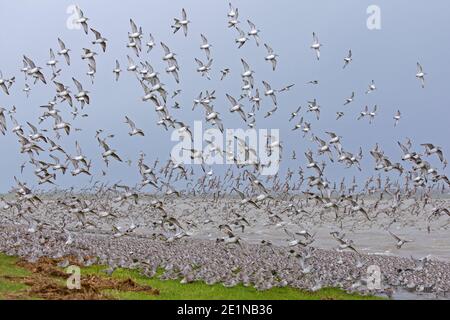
(134, 28)
(61, 44)
(78, 84)
(232, 100)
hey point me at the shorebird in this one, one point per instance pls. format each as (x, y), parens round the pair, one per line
(236, 107)
(347, 59)
(363, 113)
(33, 70)
(407, 155)
(439, 211)
(175, 93)
(241, 39)
(224, 73)
(82, 94)
(89, 55)
(349, 99)
(233, 16)
(64, 51)
(345, 244)
(248, 73)
(294, 241)
(339, 114)
(397, 118)
(151, 43)
(253, 32)
(306, 128)
(92, 71)
(168, 55)
(313, 106)
(432, 149)
(420, 74)
(131, 65)
(206, 46)
(134, 131)
(400, 242)
(245, 200)
(135, 46)
(17, 128)
(372, 87)
(61, 125)
(108, 152)
(157, 86)
(146, 70)
(52, 62)
(372, 114)
(232, 12)
(295, 113)
(298, 125)
(231, 238)
(4, 84)
(82, 19)
(55, 147)
(334, 139)
(311, 163)
(324, 148)
(99, 39)
(3, 128)
(316, 45)
(246, 88)
(136, 34)
(181, 23)
(24, 69)
(79, 156)
(286, 88)
(36, 135)
(117, 70)
(204, 68)
(173, 69)
(213, 117)
(256, 100)
(55, 74)
(356, 207)
(270, 92)
(63, 92)
(77, 170)
(255, 182)
(271, 56)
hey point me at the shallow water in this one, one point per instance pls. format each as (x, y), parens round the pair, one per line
(369, 237)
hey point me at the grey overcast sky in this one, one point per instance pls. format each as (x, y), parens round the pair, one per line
(411, 31)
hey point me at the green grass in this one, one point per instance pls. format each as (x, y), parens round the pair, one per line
(173, 289)
(9, 270)
(8, 267)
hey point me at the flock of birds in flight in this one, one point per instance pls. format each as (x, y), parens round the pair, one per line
(242, 180)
